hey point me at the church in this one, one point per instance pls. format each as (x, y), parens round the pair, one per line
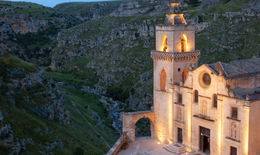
(212, 108)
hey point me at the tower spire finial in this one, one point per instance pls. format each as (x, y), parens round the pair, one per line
(175, 16)
(175, 7)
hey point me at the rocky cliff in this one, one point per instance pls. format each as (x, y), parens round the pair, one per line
(29, 29)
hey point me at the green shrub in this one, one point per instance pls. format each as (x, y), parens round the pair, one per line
(78, 151)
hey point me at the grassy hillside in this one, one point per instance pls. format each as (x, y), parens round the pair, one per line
(240, 42)
(118, 48)
(88, 132)
(25, 8)
(232, 35)
(87, 11)
(110, 56)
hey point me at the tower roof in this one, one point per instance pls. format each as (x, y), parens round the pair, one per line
(175, 16)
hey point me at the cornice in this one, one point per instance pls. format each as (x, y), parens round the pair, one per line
(176, 56)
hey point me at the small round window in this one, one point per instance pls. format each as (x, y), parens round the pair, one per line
(206, 79)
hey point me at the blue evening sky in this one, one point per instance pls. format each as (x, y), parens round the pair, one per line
(52, 3)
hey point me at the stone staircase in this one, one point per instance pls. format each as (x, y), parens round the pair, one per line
(175, 148)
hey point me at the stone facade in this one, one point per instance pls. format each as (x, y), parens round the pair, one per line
(211, 108)
(227, 128)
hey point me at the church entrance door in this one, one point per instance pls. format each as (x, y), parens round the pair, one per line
(205, 140)
(180, 135)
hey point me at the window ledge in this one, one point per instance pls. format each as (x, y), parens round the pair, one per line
(233, 119)
(233, 139)
(179, 103)
(179, 121)
(161, 91)
(207, 118)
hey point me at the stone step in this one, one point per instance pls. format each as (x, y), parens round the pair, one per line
(175, 148)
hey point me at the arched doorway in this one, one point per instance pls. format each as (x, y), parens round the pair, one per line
(130, 120)
(143, 128)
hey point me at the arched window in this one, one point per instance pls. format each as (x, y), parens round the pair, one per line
(196, 96)
(183, 43)
(184, 74)
(233, 130)
(163, 80)
(215, 101)
(164, 43)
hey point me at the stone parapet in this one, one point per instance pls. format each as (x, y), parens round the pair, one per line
(118, 145)
(176, 56)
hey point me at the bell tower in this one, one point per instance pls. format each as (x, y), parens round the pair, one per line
(175, 53)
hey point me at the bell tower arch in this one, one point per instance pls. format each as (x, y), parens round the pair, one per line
(175, 52)
(183, 43)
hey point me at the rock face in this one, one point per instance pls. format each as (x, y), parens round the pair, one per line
(25, 18)
(226, 45)
(36, 111)
(28, 29)
(7, 137)
(54, 111)
(88, 11)
(6, 31)
(209, 3)
(20, 80)
(21, 84)
(24, 24)
(139, 8)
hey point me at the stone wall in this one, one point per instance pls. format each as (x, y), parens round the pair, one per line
(245, 82)
(163, 114)
(254, 128)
